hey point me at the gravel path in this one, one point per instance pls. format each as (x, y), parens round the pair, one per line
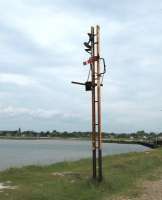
(152, 190)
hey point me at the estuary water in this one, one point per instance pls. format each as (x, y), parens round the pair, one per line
(17, 153)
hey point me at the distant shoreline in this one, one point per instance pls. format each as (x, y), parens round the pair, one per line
(44, 138)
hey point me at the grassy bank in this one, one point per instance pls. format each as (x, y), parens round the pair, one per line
(71, 180)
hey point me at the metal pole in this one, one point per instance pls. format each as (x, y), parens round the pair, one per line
(93, 111)
(93, 47)
(99, 139)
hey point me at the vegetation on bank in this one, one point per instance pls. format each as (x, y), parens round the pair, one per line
(71, 180)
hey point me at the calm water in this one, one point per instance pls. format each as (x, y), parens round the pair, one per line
(27, 152)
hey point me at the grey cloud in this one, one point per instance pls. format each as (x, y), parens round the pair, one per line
(124, 10)
(23, 54)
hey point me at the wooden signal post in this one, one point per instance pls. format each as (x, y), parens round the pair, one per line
(94, 85)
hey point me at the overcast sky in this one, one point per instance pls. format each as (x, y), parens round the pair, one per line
(42, 52)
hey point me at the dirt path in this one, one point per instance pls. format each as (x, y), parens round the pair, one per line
(152, 190)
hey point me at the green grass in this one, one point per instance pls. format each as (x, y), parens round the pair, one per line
(122, 175)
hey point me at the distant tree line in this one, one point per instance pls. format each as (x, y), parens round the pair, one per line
(77, 134)
(135, 136)
(45, 134)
